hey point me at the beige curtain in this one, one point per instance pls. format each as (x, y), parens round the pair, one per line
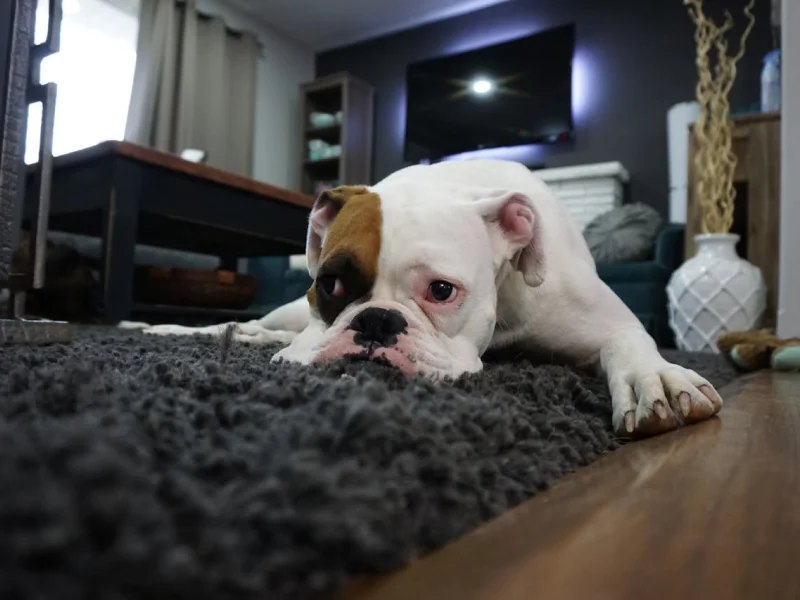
(194, 85)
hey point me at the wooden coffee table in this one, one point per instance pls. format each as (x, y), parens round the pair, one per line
(127, 194)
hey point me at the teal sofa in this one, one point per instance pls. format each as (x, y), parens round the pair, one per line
(277, 283)
(642, 285)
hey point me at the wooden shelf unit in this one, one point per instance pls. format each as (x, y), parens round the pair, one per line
(757, 146)
(355, 99)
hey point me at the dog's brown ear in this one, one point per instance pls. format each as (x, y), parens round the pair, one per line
(515, 229)
(325, 209)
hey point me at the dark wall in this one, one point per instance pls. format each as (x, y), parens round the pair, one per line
(634, 59)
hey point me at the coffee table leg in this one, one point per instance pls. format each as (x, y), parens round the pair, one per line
(120, 223)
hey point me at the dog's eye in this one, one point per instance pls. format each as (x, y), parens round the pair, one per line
(331, 285)
(441, 291)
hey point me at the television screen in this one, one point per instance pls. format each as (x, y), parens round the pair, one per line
(517, 92)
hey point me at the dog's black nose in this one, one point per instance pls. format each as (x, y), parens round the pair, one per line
(377, 326)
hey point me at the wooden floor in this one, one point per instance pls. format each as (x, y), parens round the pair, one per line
(711, 511)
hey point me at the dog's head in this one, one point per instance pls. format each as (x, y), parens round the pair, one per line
(408, 275)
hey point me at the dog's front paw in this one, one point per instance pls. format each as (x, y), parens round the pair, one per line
(294, 353)
(648, 399)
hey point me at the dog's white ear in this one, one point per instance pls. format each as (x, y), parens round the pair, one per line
(325, 209)
(514, 227)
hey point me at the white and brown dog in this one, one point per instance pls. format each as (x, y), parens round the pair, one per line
(434, 265)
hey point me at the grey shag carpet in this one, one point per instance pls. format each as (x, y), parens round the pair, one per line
(142, 467)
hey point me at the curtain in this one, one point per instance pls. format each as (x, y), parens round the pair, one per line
(194, 85)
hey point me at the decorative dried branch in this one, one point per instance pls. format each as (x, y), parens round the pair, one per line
(714, 157)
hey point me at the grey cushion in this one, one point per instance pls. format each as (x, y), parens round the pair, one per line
(623, 234)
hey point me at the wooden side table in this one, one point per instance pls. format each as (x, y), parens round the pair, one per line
(757, 145)
(127, 194)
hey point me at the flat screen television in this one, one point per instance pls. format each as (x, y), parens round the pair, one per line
(514, 93)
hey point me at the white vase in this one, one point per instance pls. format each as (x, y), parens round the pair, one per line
(713, 292)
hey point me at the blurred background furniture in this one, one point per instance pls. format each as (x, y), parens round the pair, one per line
(642, 284)
(336, 121)
(756, 216)
(278, 282)
(194, 155)
(20, 67)
(126, 195)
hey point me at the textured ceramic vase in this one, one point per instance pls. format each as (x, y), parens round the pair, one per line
(713, 292)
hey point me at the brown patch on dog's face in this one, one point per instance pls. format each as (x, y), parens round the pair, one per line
(340, 195)
(311, 296)
(356, 231)
(350, 253)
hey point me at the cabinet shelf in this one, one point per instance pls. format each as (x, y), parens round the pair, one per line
(330, 133)
(354, 100)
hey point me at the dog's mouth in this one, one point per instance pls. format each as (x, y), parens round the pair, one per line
(386, 356)
(367, 356)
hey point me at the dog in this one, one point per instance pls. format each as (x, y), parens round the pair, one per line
(435, 265)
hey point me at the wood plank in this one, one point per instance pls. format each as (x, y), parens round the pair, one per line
(210, 173)
(762, 163)
(694, 212)
(742, 128)
(708, 511)
(176, 163)
(757, 118)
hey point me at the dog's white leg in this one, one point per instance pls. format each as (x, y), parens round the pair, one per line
(249, 332)
(169, 329)
(649, 394)
(577, 316)
(569, 311)
(133, 325)
(293, 316)
(252, 333)
(304, 345)
(281, 325)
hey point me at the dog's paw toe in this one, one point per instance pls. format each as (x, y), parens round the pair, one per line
(648, 401)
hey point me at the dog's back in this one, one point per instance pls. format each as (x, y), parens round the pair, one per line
(563, 239)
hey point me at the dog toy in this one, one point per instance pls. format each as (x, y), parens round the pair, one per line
(760, 349)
